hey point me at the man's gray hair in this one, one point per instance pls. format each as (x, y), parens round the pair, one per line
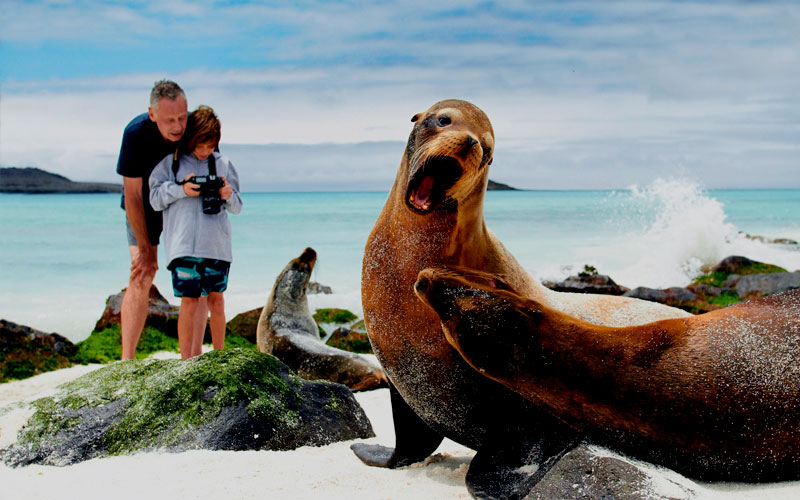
(165, 89)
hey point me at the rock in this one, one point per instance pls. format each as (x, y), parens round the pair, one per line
(674, 296)
(775, 241)
(162, 315)
(25, 352)
(314, 287)
(588, 283)
(736, 264)
(590, 473)
(706, 290)
(234, 399)
(349, 340)
(245, 324)
(287, 330)
(762, 284)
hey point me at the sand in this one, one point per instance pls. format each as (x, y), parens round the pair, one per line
(330, 472)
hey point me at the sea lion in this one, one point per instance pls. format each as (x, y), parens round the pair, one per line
(287, 330)
(714, 396)
(434, 216)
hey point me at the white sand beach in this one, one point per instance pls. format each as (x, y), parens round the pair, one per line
(328, 472)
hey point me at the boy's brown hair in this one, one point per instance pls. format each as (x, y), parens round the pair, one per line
(202, 127)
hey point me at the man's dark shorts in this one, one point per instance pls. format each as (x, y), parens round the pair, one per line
(132, 237)
(196, 277)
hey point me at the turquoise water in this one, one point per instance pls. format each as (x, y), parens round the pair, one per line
(62, 255)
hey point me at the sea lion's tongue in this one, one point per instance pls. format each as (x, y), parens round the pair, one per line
(422, 195)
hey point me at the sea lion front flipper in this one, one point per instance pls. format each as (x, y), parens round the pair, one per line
(414, 439)
(514, 464)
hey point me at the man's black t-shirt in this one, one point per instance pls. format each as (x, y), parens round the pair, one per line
(142, 148)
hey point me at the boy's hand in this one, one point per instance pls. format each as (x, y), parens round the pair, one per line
(225, 191)
(190, 188)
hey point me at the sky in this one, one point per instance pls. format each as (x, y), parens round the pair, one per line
(317, 95)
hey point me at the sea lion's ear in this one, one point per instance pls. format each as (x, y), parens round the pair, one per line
(415, 117)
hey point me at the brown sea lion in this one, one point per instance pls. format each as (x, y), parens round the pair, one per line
(434, 216)
(714, 396)
(287, 330)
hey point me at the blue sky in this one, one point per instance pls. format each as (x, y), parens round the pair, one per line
(581, 94)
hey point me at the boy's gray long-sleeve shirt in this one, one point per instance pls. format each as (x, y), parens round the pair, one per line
(188, 232)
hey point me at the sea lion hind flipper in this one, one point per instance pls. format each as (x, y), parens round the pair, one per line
(414, 439)
(509, 471)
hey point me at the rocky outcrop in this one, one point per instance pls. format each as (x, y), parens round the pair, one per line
(350, 340)
(588, 281)
(234, 399)
(591, 473)
(37, 181)
(245, 324)
(733, 279)
(762, 284)
(314, 287)
(682, 298)
(25, 352)
(162, 315)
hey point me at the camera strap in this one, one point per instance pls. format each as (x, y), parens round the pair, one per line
(212, 166)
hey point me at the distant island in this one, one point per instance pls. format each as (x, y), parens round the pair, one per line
(499, 186)
(37, 181)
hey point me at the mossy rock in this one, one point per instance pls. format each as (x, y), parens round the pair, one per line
(232, 399)
(334, 315)
(105, 346)
(735, 265)
(233, 341)
(350, 340)
(25, 352)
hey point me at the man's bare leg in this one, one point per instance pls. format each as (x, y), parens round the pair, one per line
(135, 306)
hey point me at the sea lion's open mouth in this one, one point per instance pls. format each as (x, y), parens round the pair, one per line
(429, 183)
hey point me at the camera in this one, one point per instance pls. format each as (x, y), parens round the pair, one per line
(209, 192)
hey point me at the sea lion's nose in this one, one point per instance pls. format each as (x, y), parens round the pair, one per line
(422, 285)
(471, 141)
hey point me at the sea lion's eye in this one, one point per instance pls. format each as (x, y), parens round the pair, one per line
(444, 121)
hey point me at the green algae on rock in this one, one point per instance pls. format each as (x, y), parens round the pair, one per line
(334, 315)
(105, 346)
(233, 399)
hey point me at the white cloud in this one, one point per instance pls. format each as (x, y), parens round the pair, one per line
(610, 94)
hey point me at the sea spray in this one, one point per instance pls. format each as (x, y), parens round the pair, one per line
(681, 231)
(660, 235)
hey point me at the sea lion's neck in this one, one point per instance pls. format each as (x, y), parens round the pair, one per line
(445, 232)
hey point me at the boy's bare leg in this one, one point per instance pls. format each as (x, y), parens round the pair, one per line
(216, 305)
(186, 325)
(199, 327)
(135, 306)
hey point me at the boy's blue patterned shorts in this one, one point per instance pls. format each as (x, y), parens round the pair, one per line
(197, 277)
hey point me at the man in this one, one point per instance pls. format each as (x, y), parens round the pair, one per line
(147, 139)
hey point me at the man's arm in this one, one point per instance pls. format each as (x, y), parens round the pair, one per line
(134, 209)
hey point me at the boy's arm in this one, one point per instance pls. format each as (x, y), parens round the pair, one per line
(234, 203)
(164, 191)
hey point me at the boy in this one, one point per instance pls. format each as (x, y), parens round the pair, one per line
(197, 232)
